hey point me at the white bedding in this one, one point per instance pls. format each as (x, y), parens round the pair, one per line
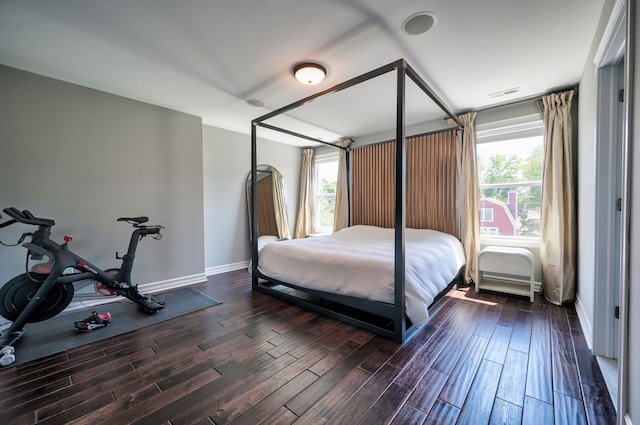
(359, 261)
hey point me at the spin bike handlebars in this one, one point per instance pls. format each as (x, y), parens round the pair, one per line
(25, 217)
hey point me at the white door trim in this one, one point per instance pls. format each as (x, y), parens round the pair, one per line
(607, 231)
(616, 43)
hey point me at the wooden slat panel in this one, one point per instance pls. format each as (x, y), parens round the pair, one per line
(431, 183)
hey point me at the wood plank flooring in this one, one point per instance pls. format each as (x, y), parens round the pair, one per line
(481, 359)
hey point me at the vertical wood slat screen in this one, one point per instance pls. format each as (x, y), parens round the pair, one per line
(431, 183)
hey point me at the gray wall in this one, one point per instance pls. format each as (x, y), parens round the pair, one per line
(84, 158)
(227, 162)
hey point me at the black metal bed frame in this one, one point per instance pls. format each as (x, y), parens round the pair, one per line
(385, 319)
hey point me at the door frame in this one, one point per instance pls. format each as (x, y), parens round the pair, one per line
(609, 61)
(607, 227)
(617, 42)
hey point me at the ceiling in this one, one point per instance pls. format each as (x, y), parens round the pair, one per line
(208, 57)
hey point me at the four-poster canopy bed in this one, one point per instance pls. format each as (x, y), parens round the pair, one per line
(393, 311)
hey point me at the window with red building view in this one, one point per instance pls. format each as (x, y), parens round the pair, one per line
(510, 173)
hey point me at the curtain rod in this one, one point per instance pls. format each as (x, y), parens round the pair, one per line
(521, 100)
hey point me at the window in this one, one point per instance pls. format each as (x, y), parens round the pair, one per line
(510, 177)
(325, 181)
(490, 231)
(486, 215)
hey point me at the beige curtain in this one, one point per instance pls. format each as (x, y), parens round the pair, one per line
(341, 207)
(280, 205)
(557, 212)
(469, 195)
(304, 225)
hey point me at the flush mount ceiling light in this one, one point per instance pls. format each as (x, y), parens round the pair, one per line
(419, 23)
(309, 73)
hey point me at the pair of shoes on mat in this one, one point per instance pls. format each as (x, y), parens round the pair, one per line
(94, 321)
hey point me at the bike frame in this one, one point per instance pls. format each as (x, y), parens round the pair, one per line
(41, 244)
(64, 259)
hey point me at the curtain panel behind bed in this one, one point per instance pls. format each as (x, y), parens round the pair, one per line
(431, 183)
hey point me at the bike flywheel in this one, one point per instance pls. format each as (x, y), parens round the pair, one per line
(16, 294)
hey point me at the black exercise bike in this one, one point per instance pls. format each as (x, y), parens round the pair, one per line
(46, 289)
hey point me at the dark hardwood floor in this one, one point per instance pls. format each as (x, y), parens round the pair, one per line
(481, 359)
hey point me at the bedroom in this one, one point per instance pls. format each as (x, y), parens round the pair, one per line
(93, 134)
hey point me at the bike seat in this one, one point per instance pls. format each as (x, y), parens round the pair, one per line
(138, 220)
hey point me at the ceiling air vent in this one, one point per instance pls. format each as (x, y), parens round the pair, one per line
(504, 92)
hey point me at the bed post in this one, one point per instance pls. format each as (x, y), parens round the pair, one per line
(347, 160)
(254, 206)
(400, 216)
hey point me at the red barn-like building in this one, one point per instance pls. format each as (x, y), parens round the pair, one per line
(498, 218)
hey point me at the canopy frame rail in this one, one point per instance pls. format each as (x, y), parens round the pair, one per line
(301, 136)
(400, 330)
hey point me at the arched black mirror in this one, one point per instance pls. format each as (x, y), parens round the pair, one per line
(271, 220)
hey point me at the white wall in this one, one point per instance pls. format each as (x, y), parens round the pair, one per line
(227, 162)
(586, 195)
(84, 158)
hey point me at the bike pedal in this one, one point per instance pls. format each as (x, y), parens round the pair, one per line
(149, 310)
(7, 359)
(7, 349)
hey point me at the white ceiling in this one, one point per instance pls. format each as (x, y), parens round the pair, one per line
(208, 57)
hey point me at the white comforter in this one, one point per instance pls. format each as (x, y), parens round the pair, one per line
(359, 261)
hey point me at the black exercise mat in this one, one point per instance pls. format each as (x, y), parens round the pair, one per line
(58, 334)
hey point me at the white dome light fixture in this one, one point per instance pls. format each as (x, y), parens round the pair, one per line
(309, 73)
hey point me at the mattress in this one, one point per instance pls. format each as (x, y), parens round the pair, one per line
(359, 261)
